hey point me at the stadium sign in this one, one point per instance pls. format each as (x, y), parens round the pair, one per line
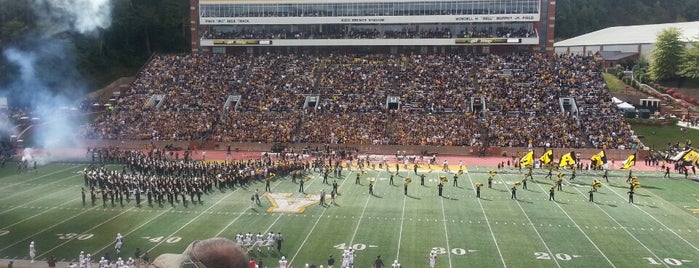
(241, 42)
(488, 40)
(368, 19)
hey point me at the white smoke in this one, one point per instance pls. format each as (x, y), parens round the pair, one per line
(6, 126)
(48, 80)
(82, 16)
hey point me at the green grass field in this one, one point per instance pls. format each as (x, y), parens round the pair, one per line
(660, 230)
(658, 137)
(613, 83)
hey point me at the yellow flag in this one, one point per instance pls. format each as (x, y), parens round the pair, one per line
(567, 160)
(547, 157)
(692, 156)
(527, 159)
(599, 159)
(629, 162)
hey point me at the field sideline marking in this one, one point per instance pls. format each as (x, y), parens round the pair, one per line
(530, 222)
(93, 227)
(192, 220)
(291, 261)
(579, 228)
(658, 221)
(446, 230)
(32, 188)
(492, 234)
(47, 228)
(400, 233)
(622, 227)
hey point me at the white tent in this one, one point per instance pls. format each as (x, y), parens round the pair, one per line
(625, 105)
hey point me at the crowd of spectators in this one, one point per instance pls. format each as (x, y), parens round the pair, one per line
(256, 126)
(313, 11)
(375, 32)
(521, 92)
(344, 128)
(435, 129)
(502, 32)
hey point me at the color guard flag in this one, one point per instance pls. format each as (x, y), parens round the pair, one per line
(547, 157)
(629, 162)
(527, 159)
(691, 157)
(567, 160)
(599, 159)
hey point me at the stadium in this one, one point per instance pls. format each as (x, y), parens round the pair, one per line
(429, 133)
(374, 26)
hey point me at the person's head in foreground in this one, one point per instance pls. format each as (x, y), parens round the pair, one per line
(214, 252)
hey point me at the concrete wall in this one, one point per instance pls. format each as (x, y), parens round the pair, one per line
(363, 148)
(646, 49)
(622, 48)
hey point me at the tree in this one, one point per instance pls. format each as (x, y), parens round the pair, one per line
(666, 55)
(690, 62)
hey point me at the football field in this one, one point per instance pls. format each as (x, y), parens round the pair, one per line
(661, 229)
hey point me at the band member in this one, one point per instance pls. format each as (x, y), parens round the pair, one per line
(491, 174)
(405, 185)
(631, 196)
(552, 192)
(478, 189)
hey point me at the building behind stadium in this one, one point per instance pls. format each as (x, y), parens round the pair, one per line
(625, 43)
(377, 26)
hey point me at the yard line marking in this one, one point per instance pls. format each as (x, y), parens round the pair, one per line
(94, 227)
(34, 188)
(361, 216)
(46, 229)
(134, 229)
(234, 220)
(400, 233)
(490, 228)
(35, 215)
(291, 261)
(658, 221)
(39, 177)
(35, 200)
(533, 226)
(578, 226)
(446, 231)
(193, 219)
(623, 228)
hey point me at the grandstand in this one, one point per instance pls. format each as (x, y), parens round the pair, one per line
(395, 26)
(478, 100)
(408, 73)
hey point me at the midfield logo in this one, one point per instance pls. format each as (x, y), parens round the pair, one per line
(284, 203)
